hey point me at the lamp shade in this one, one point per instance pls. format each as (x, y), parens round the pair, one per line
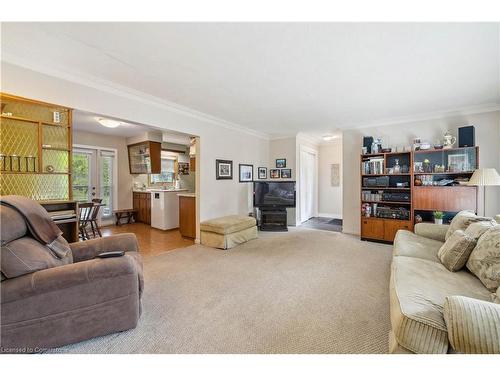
(485, 177)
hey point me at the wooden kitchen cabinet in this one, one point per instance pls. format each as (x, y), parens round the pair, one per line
(192, 164)
(187, 216)
(142, 203)
(144, 157)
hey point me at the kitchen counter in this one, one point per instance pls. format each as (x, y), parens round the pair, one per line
(187, 195)
(159, 190)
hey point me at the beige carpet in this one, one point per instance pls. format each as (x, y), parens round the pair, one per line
(305, 291)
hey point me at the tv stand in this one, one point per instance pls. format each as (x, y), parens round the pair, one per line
(273, 219)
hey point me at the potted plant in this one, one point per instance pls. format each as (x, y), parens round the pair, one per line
(438, 217)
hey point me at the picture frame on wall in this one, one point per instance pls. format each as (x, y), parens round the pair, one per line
(280, 163)
(223, 169)
(246, 172)
(286, 173)
(274, 173)
(262, 173)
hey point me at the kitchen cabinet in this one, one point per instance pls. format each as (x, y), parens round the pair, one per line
(144, 157)
(187, 215)
(142, 203)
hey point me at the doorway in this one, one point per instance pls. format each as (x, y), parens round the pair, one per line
(308, 183)
(93, 177)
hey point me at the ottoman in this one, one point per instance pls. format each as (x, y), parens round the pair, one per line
(228, 231)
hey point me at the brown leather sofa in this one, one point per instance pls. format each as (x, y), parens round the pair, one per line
(64, 304)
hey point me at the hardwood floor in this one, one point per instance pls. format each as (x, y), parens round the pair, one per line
(151, 241)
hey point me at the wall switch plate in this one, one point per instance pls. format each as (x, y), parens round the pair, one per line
(56, 117)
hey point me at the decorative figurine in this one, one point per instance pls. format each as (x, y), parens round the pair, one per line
(449, 140)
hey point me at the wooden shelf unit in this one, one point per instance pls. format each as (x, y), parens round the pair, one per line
(36, 113)
(425, 198)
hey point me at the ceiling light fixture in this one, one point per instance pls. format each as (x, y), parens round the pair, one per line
(109, 123)
(329, 137)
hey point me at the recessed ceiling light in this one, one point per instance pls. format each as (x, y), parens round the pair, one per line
(109, 123)
(329, 137)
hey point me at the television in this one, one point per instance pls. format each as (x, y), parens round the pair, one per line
(274, 194)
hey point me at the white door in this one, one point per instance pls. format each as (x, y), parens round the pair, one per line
(93, 178)
(307, 184)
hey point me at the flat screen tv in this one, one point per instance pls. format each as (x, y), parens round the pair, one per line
(274, 194)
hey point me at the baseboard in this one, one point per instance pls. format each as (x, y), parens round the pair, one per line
(332, 216)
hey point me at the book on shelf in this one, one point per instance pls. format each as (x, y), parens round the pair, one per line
(373, 166)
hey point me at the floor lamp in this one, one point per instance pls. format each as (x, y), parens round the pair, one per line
(485, 177)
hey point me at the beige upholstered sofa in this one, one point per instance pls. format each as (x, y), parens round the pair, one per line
(432, 309)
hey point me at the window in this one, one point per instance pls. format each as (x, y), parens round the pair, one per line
(106, 180)
(167, 172)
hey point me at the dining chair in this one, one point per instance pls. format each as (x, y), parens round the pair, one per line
(95, 214)
(84, 215)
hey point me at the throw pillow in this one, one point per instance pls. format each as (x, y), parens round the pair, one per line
(476, 230)
(456, 250)
(462, 220)
(484, 261)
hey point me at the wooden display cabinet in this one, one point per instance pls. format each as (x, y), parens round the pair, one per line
(421, 182)
(144, 157)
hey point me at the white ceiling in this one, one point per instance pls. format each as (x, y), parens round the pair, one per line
(280, 78)
(86, 121)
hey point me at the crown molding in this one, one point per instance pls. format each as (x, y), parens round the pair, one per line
(126, 92)
(437, 115)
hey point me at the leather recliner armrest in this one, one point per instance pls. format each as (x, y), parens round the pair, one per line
(69, 276)
(86, 250)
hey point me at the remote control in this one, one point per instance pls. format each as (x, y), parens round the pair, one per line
(111, 254)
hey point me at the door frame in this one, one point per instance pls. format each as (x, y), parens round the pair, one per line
(315, 153)
(98, 176)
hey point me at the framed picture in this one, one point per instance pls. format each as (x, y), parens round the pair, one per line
(183, 168)
(246, 172)
(286, 173)
(223, 169)
(280, 163)
(262, 173)
(335, 177)
(274, 173)
(458, 163)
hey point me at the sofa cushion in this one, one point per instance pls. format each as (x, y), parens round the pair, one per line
(463, 219)
(26, 255)
(13, 224)
(456, 250)
(473, 325)
(496, 296)
(476, 230)
(484, 261)
(417, 292)
(409, 244)
(228, 224)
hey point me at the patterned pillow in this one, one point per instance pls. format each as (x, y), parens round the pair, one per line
(484, 261)
(496, 296)
(476, 230)
(462, 220)
(456, 250)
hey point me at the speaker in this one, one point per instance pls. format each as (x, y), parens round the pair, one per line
(367, 142)
(466, 136)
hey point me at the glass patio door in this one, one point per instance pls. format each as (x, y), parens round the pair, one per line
(93, 178)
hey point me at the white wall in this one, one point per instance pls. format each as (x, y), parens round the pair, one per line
(217, 139)
(487, 138)
(119, 143)
(330, 197)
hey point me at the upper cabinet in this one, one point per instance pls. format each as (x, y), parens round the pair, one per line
(145, 157)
